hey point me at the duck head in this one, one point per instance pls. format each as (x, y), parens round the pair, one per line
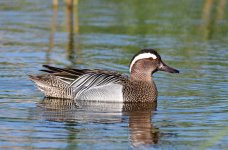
(146, 62)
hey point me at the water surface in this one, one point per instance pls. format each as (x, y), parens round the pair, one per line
(192, 106)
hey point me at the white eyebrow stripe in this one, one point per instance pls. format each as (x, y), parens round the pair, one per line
(142, 56)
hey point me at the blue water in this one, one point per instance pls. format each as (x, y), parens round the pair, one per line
(191, 112)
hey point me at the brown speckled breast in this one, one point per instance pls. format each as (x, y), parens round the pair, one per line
(140, 91)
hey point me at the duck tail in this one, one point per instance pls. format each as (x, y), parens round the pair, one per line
(50, 86)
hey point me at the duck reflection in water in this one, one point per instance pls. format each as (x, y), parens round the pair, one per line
(141, 130)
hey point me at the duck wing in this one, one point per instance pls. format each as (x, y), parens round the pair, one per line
(88, 84)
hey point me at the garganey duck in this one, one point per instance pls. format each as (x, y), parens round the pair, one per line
(102, 85)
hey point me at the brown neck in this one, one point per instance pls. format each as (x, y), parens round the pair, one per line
(141, 75)
(141, 71)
